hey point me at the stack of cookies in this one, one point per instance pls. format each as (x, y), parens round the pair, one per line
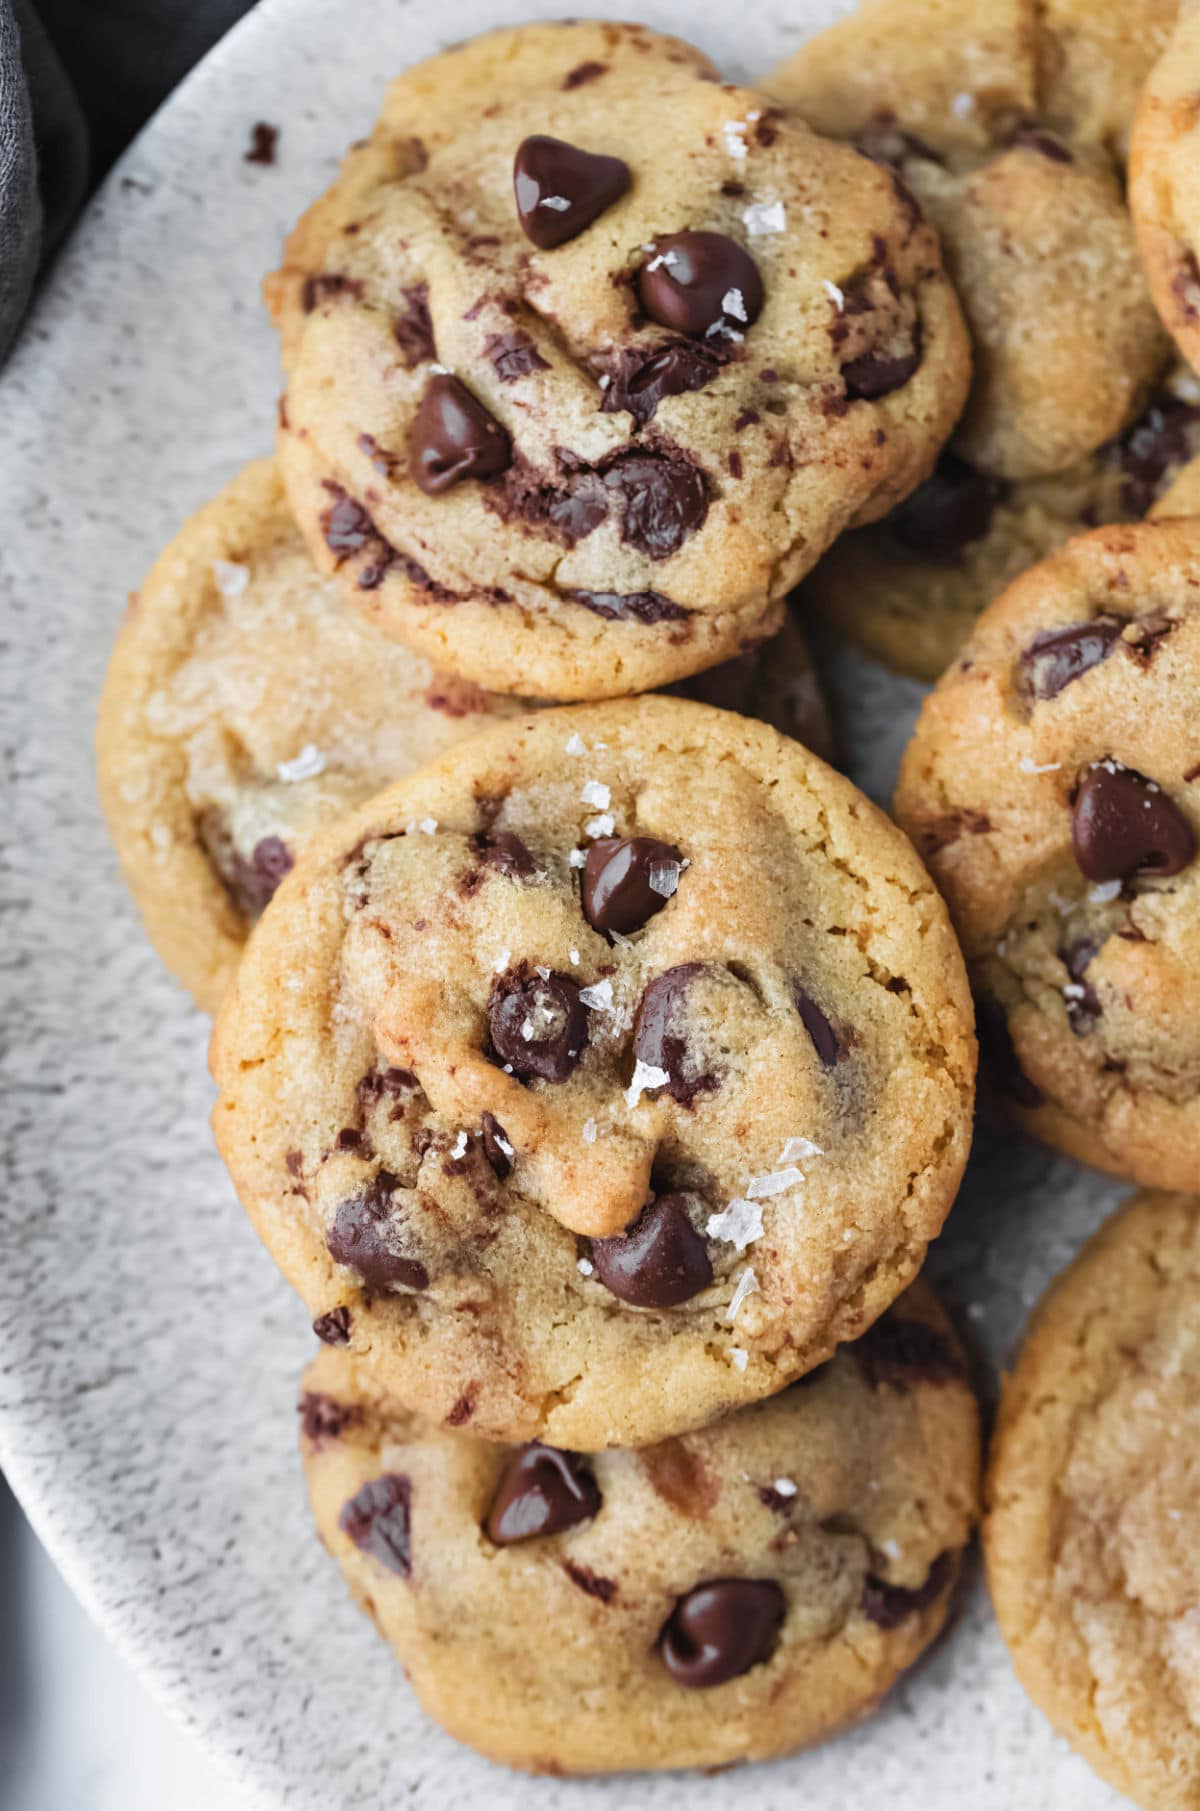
(600, 1064)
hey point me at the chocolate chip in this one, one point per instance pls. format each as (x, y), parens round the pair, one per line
(996, 1040)
(647, 607)
(825, 1040)
(777, 1501)
(263, 141)
(1046, 144)
(701, 284)
(878, 372)
(328, 283)
(378, 1083)
(333, 1328)
(887, 1606)
(538, 1024)
(463, 1407)
(902, 1353)
(1160, 439)
(570, 509)
(594, 1583)
(583, 72)
(618, 881)
(659, 1035)
(946, 514)
(513, 355)
(346, 526)
(455, 438)
(1083, 1006)
(541, 1491)
(940, 832)
(365, 1236)
(414, 328)
(1057, 657)
(504, 851)
(660, 1261)
(1123, 824)
(1185, 286)
(721, 1629)
(665, 497)
(322, 1418)
(378, 1520)
(560, 189)
(253, 883)
(495, 1139)
(642, 378)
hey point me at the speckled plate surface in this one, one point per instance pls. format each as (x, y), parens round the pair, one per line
(148, 1353)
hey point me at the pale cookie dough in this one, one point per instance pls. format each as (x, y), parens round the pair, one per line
(1091, 1536)
(602, 1076)
(738, 1593)
(590, 357)
(1164, 183)
(1052, 786)
(244, 709)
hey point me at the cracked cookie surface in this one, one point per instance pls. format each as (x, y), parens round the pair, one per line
(245, 709)
(729, 1595)
(1090, 1531)
(1051, 784)
(607, 1073)
(582, 380)
(1164, 184)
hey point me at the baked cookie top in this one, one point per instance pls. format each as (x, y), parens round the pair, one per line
(1090, 1534)
(602, 1076)
(1051, 786)
(910, 589)
(733, 1594)
(589, 357)
(1164, 183)
(1029, 206)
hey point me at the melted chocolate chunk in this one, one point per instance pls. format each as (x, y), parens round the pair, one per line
(329, 283)
(538, 1024)
(665, 498)
(1159, 440)
(1185, 286)
(495, 1139)
(263, 141)
(660, 1261)
(560, 189)
(322, 1418)
(878, 372)
(901, 1353)
(541, 1491)
(659, 1033)
(721, 1629)
(887, 1606)
(378, 1520)
(513, 355)
(618, 891)
(455, 438)
(583, 72)
(570, 509)
(825, 1040)
(365, 1237)
(379, 1084)
(946, 514)
(701, 284)
(333, 1328)
(642, 378)
(996, 1041)
(414, 328)
(1083, 1006)
(345, 524)
(1057, 657)
(504, 851)
(1123, 825)
(253, 883)
(645, 607)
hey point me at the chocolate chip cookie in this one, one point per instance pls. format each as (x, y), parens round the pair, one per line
(244, 709)
(1090, 1535)
(734, 1594)
(1034, 228)
(1164, 183)
(1051, 786)
(602, 1076)
(909, 590)
(586, 370)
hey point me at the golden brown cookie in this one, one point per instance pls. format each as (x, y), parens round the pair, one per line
(1051, 784)
(603, 1075)
(1164, 183)
(733, 1594)
(569, 411)
(1090, 1533)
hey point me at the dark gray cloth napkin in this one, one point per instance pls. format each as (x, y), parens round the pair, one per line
(77, 79)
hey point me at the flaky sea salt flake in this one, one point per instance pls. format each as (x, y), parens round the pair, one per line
(576, 859)
(762, 217)
(774, 1182)
(1027, 764)
(663, 877)
(230, 578)
(836, 296)
(799, 1147)
(739, 1357)
(304, 766)
(747, 1284)
(596, 793)
(575, 744)
(738, 1225)
(599, 996)
(459, 1147)
(1104, 891)
(603, 824)
(734, 302)
(645, 1075)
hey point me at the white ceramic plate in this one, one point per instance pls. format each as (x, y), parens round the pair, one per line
(149, 1355)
